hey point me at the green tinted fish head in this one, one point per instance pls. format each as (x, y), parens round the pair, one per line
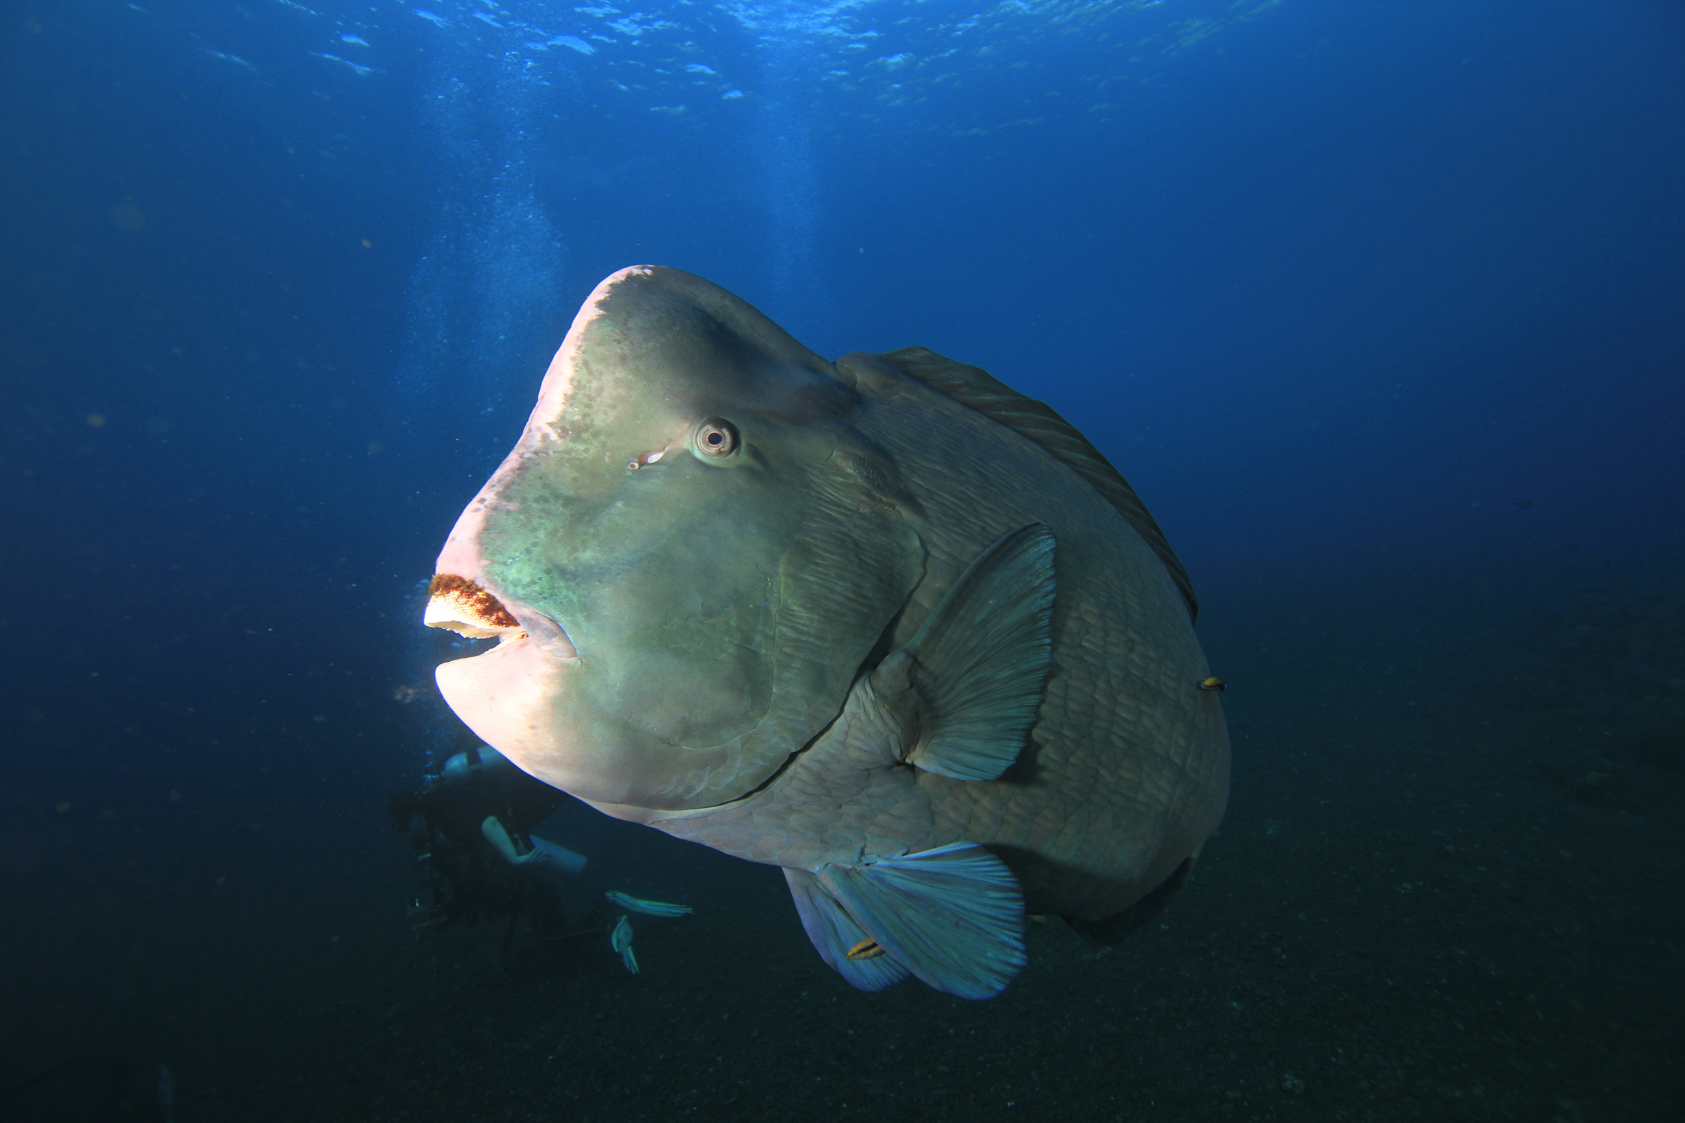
(685, 559)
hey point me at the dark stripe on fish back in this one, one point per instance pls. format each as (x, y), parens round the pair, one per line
(977, 388)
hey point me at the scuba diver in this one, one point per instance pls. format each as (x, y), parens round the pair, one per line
(471, 828)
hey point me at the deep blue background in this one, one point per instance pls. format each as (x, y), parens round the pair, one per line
(1338, 287)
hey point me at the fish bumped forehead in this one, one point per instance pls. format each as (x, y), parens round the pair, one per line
(653, 350)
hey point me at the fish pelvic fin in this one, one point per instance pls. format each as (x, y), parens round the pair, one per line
(835, 934)
(953, 916)
(975, 672)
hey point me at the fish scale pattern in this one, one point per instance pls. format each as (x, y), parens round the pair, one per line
(981, 391)
(1127, 769)
(1126, 772)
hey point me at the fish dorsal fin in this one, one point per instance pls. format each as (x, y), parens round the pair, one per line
(1037, 421)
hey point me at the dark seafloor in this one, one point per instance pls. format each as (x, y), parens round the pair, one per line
(1455, 894)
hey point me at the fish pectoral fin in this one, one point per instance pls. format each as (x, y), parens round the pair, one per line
(953, 916)
(979, 665)
(835, 935)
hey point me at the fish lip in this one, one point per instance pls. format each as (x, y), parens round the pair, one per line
(464, 606)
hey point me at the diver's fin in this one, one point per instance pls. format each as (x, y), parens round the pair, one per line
(835, 934)
(621, 941)
(979, 664)
(953, 916)
(648, 908)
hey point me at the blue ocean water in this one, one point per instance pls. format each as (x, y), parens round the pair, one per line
(1380, 307)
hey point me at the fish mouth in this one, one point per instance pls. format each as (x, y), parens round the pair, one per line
(461, 605)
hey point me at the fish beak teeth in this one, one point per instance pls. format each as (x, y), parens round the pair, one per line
(458, 605)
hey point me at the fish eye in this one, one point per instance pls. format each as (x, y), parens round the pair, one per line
(716, 438)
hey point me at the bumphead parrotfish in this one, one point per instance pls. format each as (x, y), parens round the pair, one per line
(882, 622)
